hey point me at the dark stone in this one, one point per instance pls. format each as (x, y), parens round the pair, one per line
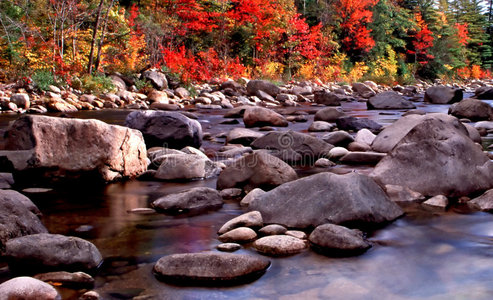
(356, 124)
(338, 240)
(194, 199)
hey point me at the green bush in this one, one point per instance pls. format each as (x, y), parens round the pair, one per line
(43, 79)
(93, 84)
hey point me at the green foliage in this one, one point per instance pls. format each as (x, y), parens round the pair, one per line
(142, 84)
(43, 79)
(94, 84)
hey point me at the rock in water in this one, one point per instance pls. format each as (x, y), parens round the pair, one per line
(443, 95)
(258, 169)
(338, 240)
(356, 124)
(436, 157)
(210, 268)
(293, 147)
(249, 219)
(194, 199)
(327, 98)
(279, 245)
(483, 202)
(166, 129)
(259, 116)
(254, 86)
(27, 288)
(472, 109)
(351, 199)
(18, 217)
(51, 252)
(57, 149)
(389, 100)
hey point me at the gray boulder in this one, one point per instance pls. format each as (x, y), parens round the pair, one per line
(437, 157)
(484, 92)
(254, 86)
(43, 148)
(185, 166)
(356, 124)
(242, 136)
(443, 95)
(157, 79)
(259, 116)
(329, 114)
(166, 129)
(483, 202)
(338, 240)
(279, 245)
(351, 199)
(327, 98)
(293, 147)
(18, 217)
(249, 219)
(51, 252)
(27, 288)
(258, 169)
(472, 109)
(389, 100)
(194, 199)
(338, 138)
(210, 268)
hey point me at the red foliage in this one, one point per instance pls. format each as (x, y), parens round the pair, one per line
(423, 40)
(355, 15)
(462, 33)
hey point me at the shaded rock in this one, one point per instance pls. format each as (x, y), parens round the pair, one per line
(324, 162)
(60, 149)
(279, 245)
(488, 125)
(338, 138)
(258, 169)
(236, 112)
(182, 93)
(329, 114)
(363, 90)
(242, 136)
(399, 193)
(18, 217)
(27, 288)
(249, 219)
(157, 97)
(228, 247)
(21, 100)
(443, 95)
(293, 147)
(356, 124)
(438, 201)
(414, 112)
(483, 202)
(484, 92)
(253, 86)
(389, 100)
(472, 109)
(76, 279)
(194, 199)
(437, 157)
(362, 157)
(338, 240)
(238, 235)
(337, 152)
(272, 229)
(231, 193)
(90, 295)
(358, 147)
(51, 252)
(157, 79)
(253, 194)
(259, 116)
(325, 197)
(318, 126)
(297, 234)
(327, 98)
(473, 133)
(210, 268)
(166, 129)
(185, 166)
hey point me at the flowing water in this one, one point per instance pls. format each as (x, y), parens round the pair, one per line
(426, 254)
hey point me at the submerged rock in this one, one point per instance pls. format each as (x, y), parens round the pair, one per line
(194, 199)
(259, 116)
(338, 240)
(279, 245)
(210, 268)
(314, 200)
(389, 100)
(356, 124)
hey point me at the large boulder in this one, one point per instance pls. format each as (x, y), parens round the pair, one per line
(441, 94)
(259, 116)
(363, 90)
(166, 129)
(57, 149)
(242, 136)
(194, 199)
(394, 133)
(210, 268)
(329, 114)
(472, 109)
(327, 98)
(356, 124)
(436, 157)
(18, 217)
(351, 199)
(51, 252)
(157, 79)
(484, 92)
(389, 100)
(254, 86)
(338, 240)
(185, 166)
(27, 288)
(258, 169)
(293, 147)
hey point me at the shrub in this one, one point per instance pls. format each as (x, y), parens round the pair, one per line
(94, 84)
(43, 79)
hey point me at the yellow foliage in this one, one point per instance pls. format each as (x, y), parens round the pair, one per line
(270, 70)
(384, 70)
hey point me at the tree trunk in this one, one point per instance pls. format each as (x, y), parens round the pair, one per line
(94, 36)
(100, 45)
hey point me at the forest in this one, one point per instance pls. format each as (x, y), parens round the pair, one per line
(74, 42)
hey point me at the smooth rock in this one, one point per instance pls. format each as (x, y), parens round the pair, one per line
(27, 288)
(249, 219)
(242, 136)
(157, 79)
(325, 197)
(253, 86)
(273, 229)
(77, 279)
(329, 114)
(228, 247)
(318, 126)
(210, 268)
(363, 90)
(358, 147)
(21, 100)
(389, 100)
(438, 201)
(338, 240)
(337, 152)
(443, 95)
(324, 163)
(185, 166)
(365, 136)
(472, 109)
(362, 158)
(483, 202)
(356, 124)
(253, 194)
(238, 235)
(399, 193)
(259, 116)
(231, 193)
(338, 138)
(327, 98)
(279, 245)
(193, 199)
(297, 234)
